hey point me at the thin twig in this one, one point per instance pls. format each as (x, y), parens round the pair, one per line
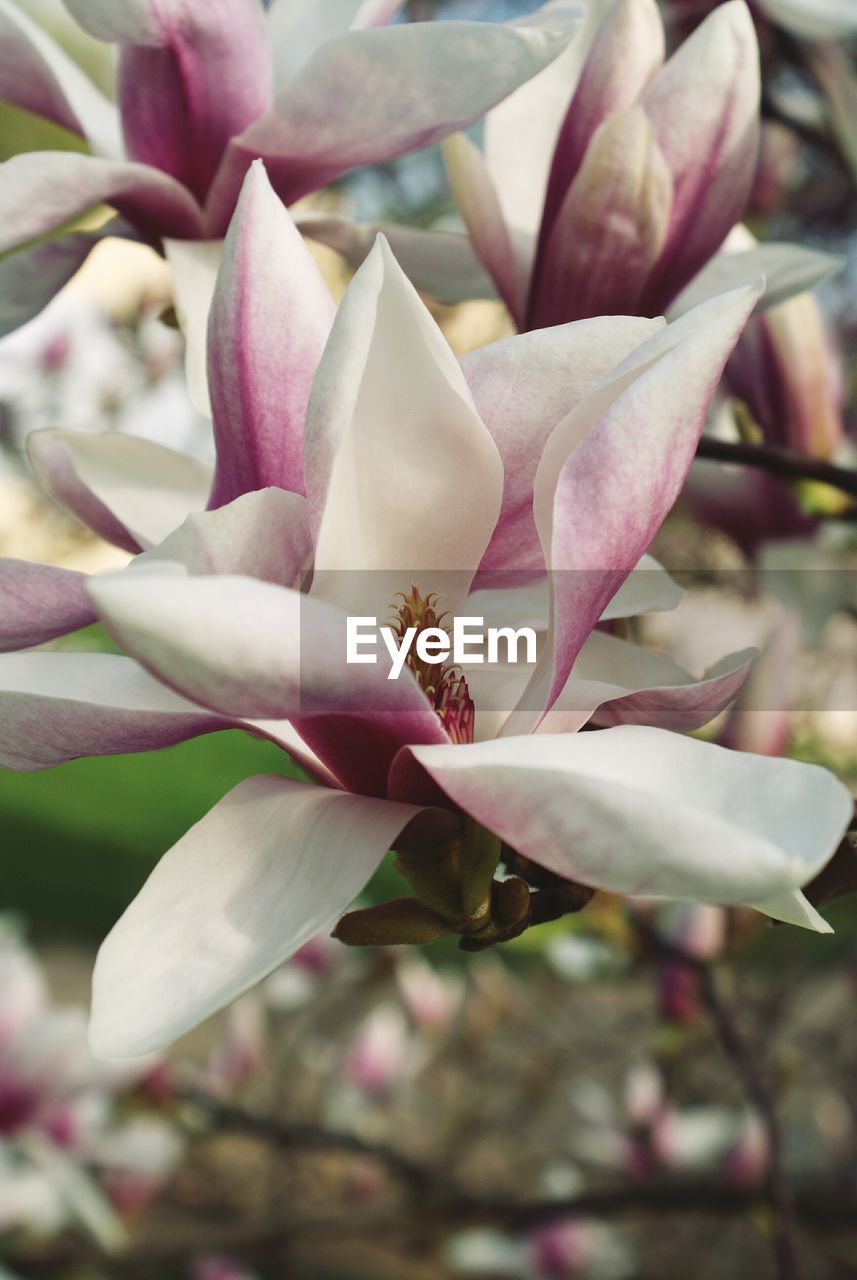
(787, 464)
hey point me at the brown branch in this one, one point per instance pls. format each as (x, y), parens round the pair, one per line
(786, 464)
(777, 1189)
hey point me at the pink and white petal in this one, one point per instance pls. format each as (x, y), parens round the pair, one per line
(335, 115)
(610, 227)
(263, 535)
(521, 132)
(627, 51)
(296, 28)
(274, 863)
(635, 685)
(39, 602)
(642, 811)
(788, 269)
(130, 491)
(255, 650)
(506, 259)
(523, 387)
(41, 190)
(270, 318)
(607, 504)
(59, 706)
(194, 265)
(440, 263)
(202, 78)
(704, 110)
(37, 74)
(402, 475)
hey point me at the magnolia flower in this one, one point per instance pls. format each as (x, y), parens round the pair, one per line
(206, 86)
(608, 181)
(362, 449)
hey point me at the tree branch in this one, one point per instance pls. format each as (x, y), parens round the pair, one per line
(787, 464)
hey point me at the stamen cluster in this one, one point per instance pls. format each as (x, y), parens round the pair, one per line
(442, 682)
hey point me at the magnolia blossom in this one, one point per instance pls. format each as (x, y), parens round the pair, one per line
(609, 180)
(362, 450)
(207, 86)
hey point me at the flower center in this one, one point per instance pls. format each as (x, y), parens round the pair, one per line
(441, 682)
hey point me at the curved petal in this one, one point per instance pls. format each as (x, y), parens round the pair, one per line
(794, 908)
(704, 110)
(507, 260)
(270, 318)
(647, 589)
(194, 265)
(40, 190)
(335, 115)
(39, 602)
(523, 387)
(263, 535)
(403, 479)
(130, 491)
(521, 132)
(296, 28)
(610, 227)
(201, 74)
(255, 650)
(272, 864)
(645, 812)
(788, 269)
(627, 51)
(30, 278)
(631, 445)
(37, 74)
(440, 263)
(615, 682)
(59, 706)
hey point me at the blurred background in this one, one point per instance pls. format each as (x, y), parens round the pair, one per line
(381, 1115)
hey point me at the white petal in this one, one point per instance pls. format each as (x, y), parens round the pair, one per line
(194, 265)
(401, 473)
(273, 863)
(646, 812)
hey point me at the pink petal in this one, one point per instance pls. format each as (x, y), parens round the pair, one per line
(257, 651)
(264, 535)
(630, 446)
(610, 228)
(39, 602)
(40, 190)
(270, 319)
(335, 115)
(201, 78)
(627, 51)
(704, 109)
(130, 491)
(59, 706)
(37, 74)
(523, 387)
